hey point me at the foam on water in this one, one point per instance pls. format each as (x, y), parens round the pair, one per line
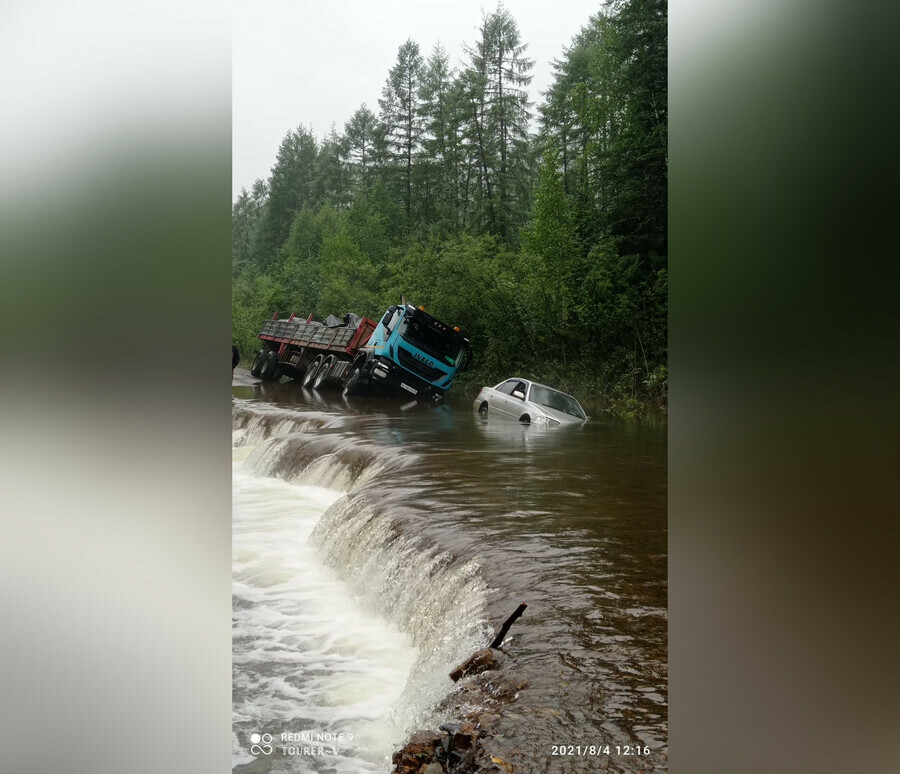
(307, 656)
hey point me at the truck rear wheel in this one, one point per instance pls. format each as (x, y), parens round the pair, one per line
(323, 372)
(311, 370)
(257, 364)
(270, 366)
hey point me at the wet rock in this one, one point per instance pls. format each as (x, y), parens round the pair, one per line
(500, 688)
(416, 753)
(478, 737)
(487, 722)
(468, 764)
(480, 661)
(465, 736)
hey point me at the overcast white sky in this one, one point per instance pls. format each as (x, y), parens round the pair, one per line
(314, 62)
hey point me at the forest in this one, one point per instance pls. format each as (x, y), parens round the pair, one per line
(538, 227)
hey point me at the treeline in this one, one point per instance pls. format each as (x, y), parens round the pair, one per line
(547, 247)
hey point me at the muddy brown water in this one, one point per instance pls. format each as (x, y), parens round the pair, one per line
(571, 521)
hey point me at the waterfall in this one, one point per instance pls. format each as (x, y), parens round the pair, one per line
(345, 618)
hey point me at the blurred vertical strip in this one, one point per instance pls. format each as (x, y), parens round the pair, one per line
(115, 543)
(783, 334)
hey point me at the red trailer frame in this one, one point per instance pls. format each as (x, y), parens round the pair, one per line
(299, 343)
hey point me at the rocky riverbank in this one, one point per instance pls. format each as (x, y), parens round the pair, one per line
(472, 741)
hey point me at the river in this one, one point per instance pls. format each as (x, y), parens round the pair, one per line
(375, 548)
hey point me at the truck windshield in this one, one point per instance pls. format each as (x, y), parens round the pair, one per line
(448, 350)
(544, 396)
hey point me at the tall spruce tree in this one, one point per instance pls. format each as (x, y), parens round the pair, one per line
(333, 177)
(508, 75)
(478, 147)
(497, 76)
(440, 157)
(402, 120)
(292, 184)
(364, 148)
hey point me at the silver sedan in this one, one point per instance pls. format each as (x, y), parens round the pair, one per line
(529, 402)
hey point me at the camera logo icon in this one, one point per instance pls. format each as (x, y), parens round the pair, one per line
(260, 745)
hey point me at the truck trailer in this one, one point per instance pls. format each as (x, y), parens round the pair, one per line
(408, 351)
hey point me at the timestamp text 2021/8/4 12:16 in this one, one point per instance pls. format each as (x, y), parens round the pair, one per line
(599, 749)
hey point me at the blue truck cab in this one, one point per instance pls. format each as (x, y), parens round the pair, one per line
(410, 351)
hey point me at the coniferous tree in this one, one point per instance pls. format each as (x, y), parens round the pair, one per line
(333, 176)
(291, 185)
(508, 75)
(477, 147)
(579, 115)
(241, 225)
(364, 148)
(498, 75)
(439, 161)
(246, 218)
(301, 274)
(402, 121)
(639, 160)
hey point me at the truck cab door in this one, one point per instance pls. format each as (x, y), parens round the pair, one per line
(383, 330)
(389, 321)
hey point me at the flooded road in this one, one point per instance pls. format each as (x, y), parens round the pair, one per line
(375, 548)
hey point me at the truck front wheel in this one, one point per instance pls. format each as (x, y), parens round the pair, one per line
(353, 381)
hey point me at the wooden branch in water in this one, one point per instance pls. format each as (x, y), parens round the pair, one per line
(498, 640)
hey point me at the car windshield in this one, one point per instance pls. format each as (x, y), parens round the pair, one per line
(544, 396)
(446, 349)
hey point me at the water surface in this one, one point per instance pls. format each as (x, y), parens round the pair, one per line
(412, 534)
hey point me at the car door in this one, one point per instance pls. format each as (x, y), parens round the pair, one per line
(517, 404)
(502, 397)
(509, 405)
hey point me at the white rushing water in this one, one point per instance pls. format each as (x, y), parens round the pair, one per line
(343, 632)
(307, 657)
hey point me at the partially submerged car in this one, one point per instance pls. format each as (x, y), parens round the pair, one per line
(529, 402)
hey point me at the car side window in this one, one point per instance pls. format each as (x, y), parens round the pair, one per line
(507, 387)
(520, 387)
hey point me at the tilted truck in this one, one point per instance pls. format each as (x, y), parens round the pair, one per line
(407, 351)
